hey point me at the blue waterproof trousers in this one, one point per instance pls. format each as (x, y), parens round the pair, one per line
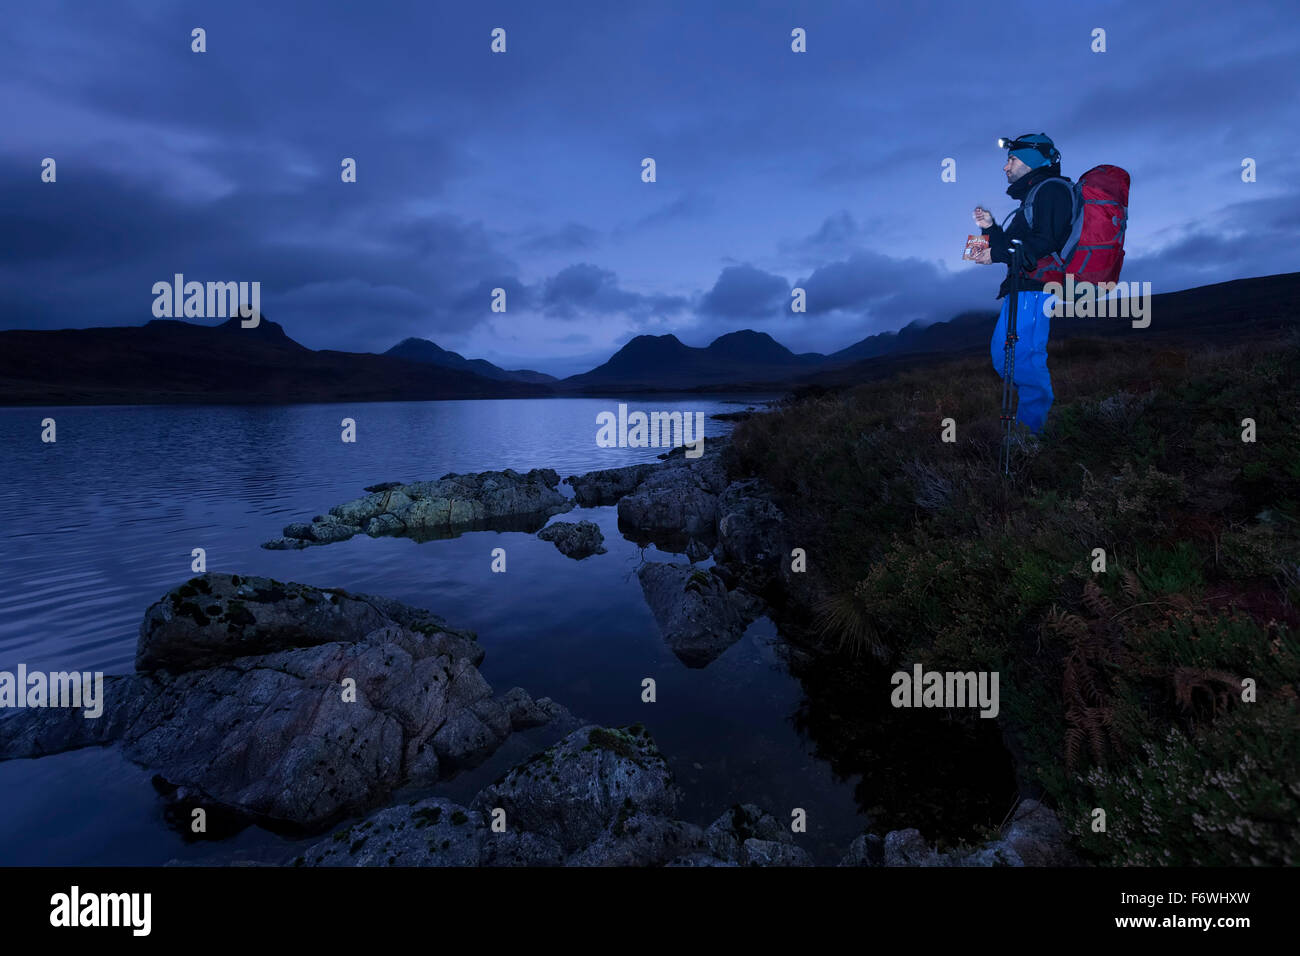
(1030, 375)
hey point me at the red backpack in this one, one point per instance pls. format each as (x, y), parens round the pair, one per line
(1095, 250)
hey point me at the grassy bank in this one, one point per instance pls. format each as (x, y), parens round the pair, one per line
(1121, 690)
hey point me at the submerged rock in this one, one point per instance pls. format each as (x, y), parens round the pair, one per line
(575, 540)
(442, 508)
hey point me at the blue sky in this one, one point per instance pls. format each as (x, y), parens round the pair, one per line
(523, 170)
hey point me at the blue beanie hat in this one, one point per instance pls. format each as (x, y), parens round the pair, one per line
(1032, 157)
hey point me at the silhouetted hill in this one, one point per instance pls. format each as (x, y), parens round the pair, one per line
(430, 353)
(663, 362)
(171, 361)
(1220, 313)
(754, 360)
(960, 331)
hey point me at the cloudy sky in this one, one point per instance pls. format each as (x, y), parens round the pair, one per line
(522, 170)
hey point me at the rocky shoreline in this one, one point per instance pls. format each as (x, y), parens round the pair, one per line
(296, 707)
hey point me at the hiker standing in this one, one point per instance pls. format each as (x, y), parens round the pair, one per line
(1041, 227)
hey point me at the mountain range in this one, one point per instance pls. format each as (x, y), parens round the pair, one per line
(173, 361)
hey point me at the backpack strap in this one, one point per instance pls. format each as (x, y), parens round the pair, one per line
(1075, 198)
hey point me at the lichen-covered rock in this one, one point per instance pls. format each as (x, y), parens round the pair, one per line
(599, 797)
(444, 507)
(216, 617)
(429, 832)
(574, 791)
(578, 541)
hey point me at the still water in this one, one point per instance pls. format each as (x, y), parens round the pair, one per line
(100, 524)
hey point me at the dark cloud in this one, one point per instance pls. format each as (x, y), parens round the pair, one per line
(571, 237)
(744, 292)
(840, 234)
(585, 290)
(692, 205)
(478, 171)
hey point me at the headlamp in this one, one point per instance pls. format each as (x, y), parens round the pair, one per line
(1047, 150)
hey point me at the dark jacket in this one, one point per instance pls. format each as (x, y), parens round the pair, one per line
(1053, 208)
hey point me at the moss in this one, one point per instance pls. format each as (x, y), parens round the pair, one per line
(613, 741)
(458, 818)
(358, 845)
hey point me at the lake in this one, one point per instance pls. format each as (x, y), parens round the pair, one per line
(100, 524)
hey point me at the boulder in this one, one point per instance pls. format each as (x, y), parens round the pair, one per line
(574, 791)
(680, 497)
(747, 835)
(1035, 837)
(215, 617)
(305, 731)
(599, 797)
(697, 616)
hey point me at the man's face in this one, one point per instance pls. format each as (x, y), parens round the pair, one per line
(1014, 169)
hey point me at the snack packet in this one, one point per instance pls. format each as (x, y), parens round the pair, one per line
(974, 246)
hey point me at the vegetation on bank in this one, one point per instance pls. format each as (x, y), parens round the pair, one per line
(1120, 690)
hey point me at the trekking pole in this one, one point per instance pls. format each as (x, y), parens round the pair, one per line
(1009, 363)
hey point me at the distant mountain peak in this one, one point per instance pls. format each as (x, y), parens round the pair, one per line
(427, 352)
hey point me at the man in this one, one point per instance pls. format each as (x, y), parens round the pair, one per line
(1030, 160)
